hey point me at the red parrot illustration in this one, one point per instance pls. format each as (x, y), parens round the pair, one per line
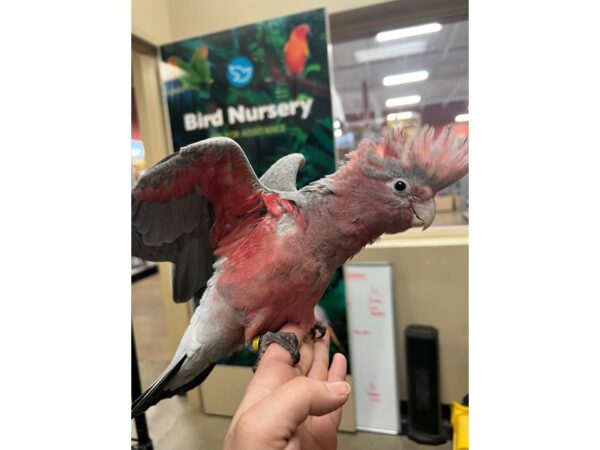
(296, 50)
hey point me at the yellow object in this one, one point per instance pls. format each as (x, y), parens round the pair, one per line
(460, 426)
(256, 344)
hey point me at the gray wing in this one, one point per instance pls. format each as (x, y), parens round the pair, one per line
(177, 230)
(171, 219)
(282, 175)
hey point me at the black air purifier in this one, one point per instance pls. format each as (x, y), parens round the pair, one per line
(422, 365)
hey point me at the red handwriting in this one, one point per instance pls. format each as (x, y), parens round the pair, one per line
(356, 276)
(373, 301)
(373, 394)
(361, 332)
(376, 311)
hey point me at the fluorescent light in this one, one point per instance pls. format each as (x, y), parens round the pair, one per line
(337, 133)
(390, 51)
(409, 77)
(401, 101)
(336, 124)
(462, 117)
(404, 115)
(408, 32)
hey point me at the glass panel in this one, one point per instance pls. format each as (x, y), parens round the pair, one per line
(405, 80)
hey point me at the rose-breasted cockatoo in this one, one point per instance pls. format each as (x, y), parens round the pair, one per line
(275, 248)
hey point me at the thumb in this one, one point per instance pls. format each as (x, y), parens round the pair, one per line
(292, 403)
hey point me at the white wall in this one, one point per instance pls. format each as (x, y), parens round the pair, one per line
(163, 21)
(150, 20)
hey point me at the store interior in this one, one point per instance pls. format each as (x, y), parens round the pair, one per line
(379, 80)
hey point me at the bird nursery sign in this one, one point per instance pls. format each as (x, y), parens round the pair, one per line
(244, 114)
(265, 85)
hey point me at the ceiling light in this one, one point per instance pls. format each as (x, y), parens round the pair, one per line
(336, 124)
(337, 133)
(408, 32)
(401, 101)
(410, 77)
(462, 117)
(390, 51)
(404, 115)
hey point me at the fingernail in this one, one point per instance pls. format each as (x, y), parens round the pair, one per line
(339, 387)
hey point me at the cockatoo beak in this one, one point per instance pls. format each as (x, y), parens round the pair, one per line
(424, 213)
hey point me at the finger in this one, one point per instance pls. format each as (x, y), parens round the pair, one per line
(275, 368)
(337, 372)
(293, 402)
(307, 353)
(320, 362)
(338, 369)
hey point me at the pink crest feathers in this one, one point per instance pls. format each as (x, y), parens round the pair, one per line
(439, 161)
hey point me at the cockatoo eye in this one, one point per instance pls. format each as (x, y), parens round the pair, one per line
(400, 186)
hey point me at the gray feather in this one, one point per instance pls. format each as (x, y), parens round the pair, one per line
(178, 230)
(282, 175)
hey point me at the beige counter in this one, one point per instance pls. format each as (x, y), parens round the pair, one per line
(431, 288)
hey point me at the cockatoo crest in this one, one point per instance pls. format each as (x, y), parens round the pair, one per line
(439, 162)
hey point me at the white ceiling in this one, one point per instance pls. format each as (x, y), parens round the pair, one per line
(444, 55)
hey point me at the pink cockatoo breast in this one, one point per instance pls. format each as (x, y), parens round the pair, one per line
(271, 276)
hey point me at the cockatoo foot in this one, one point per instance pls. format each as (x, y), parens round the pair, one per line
(288, 341)
(318, 327)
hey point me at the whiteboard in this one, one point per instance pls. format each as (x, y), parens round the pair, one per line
(371, 331)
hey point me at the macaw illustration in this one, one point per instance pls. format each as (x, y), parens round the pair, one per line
(296, 50)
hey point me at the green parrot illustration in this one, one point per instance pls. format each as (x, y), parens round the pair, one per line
(197, 71)
(202, 66)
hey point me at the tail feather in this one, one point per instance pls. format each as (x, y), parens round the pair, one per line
(203, 343)
(194, 382)
(157, 392)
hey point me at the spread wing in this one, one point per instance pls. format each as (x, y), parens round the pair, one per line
(187, 203)
(281, 176)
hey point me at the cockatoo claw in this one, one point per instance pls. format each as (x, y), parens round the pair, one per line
(319, 327)
(288, 341)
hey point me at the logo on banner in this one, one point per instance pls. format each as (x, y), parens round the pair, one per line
(240, 71)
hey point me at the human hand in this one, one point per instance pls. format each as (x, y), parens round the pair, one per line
(292, 407)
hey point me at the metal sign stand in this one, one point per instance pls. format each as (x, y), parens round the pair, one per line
(143, 437)
(143, 441)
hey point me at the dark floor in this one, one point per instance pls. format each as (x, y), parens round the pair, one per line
(176, 425)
